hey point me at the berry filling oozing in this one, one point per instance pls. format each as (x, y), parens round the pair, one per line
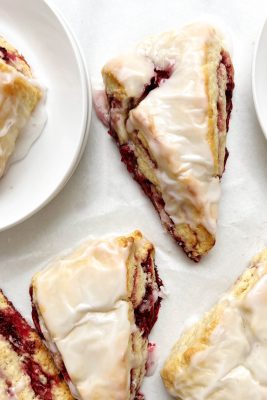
(11, 58)
(146, 314)
(17, 332)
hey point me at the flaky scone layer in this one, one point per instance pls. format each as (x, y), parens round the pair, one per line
(170, 104)
(223, 356)
(100, 302)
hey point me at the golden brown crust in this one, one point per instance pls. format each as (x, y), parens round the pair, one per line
(113, 86)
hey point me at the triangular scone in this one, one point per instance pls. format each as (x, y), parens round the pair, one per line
(19, 95)
(170, 104)
(27, 370)
(224, 355)
(95, 308)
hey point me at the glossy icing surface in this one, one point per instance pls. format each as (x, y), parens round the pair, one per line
(234, 365)
(174, 121)
(87, 317)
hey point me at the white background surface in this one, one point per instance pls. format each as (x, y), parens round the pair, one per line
(101, 197)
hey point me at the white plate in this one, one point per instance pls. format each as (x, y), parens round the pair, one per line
(259, 78)
(46, 42)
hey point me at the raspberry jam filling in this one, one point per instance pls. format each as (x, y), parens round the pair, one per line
(226, 65)
(146, 314)
(17, 332)
(10, 58)
(159, 77)
(7, 56)
(226, 60)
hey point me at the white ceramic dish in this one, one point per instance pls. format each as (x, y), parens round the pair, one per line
(46, 42)
(259, 77)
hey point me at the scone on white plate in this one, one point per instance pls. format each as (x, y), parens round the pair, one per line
(27, 370)
(95, 308)
(19, 95)
(224, 355)
(169, 104)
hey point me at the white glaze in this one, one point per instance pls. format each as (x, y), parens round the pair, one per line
(87, 317)
(174, 120)
(31, 131)
(234, 365)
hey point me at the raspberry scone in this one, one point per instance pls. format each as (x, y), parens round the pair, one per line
(169, 108)
(18, 99)
(95, 308)
(224, 355)
(27, 371)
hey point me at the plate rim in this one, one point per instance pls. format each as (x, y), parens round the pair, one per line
(253, 75)
(86, 121)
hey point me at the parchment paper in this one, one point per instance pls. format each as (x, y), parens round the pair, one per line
(102, 197)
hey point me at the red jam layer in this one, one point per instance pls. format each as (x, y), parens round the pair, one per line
(159, 77)
(9, 57)
(6, 55)
(226, 60)
(17, 332)
(146, 314)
